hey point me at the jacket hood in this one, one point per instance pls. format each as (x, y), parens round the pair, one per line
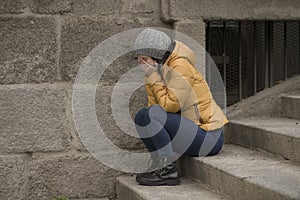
(182, 51)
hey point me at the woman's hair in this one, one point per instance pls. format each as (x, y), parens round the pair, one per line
(166, 55)
(159, 61)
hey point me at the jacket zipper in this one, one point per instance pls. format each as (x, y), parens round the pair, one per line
(198, 114)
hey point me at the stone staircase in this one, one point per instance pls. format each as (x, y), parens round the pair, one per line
(41, 156)
(260, 159)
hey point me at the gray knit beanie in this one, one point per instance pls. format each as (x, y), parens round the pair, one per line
(152, 42)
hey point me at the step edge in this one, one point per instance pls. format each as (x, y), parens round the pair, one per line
(259, 185)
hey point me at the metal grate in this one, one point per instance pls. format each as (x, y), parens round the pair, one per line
(293, 47)
(277, 56)
(253, 55)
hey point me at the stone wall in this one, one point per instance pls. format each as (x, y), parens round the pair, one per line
(42, 44)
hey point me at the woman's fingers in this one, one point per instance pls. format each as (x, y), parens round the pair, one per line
(147, 64)
(146, 67)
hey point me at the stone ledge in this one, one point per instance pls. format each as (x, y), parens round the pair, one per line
(242, 174)
(279, 136)
(127, 188)
(291, 106)
(92, 199)
(265, 103)
(231, 9)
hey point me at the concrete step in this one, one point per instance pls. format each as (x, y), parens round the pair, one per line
(291, 106)
(280, 136)
(92, 199)
(245, 174)
(128, 189)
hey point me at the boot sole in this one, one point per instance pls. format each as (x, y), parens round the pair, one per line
(171, 182)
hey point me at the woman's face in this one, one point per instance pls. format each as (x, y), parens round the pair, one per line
(147, 59)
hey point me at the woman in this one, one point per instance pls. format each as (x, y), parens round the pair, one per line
(182, 118)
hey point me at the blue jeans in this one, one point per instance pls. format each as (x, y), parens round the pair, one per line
(169, 134)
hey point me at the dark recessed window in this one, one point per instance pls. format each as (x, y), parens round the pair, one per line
(253, 55)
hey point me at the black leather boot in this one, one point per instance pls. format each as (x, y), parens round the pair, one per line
(167, 175)
(153, 164)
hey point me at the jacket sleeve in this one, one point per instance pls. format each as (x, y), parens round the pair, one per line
(172, 93)
(150, 96)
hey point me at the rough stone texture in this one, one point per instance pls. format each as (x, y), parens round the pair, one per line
(96, 7)
(196, 30)
(50, 7)
(118, 68)
(242, 174)
(13, 177)
(73, 175)
(193, 28)
(81, 34)
(166, 14)
(231, 9)
(138, 101)
(93, 199)
(266, 103)
(276, 135)
(107, 122)
(141, 8)
(127, 188)
(125, 8)
(38, 118)
(33, 118)
(75, 142)
(103, 104)
(291, 106)
(8, 6)
(28, 50)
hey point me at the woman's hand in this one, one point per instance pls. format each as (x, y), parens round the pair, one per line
(147, 68)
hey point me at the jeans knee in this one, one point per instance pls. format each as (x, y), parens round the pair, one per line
(156, 112)
(139, 118)
(218, 146)
(145, 115)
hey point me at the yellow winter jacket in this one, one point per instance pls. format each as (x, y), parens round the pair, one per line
(179, 87)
